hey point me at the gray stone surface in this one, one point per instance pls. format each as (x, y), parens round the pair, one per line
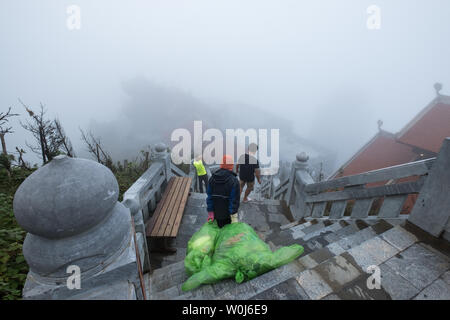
(286, 290)
(372, 252)
(242, 291)
(321, 255)
(418, 265)
(438, 290)
(338, 272)
(395, 285)
(335, 248)
(356, 239)
(446, 277)
(358, 290)
(314, 286)
(307, 262)
(399, 238)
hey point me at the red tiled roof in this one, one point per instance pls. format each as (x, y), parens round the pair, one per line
(380, 152)
(429, 128)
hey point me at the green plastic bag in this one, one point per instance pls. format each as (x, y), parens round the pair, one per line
(200, 247)
(239, 253)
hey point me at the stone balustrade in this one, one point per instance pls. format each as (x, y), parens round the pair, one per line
(353, 197)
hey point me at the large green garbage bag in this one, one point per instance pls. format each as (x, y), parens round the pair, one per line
(200, 248)
(241, 254)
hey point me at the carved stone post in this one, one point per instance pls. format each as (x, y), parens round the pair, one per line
(139, 225)
(432, 209)
(298, 179)
(80, 240)
(164, 157)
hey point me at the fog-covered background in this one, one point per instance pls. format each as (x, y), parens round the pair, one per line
(138, 69)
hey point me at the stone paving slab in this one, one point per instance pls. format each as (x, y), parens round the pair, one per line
(399, 238)
(322, 232)
(321, 255)
(204, 292)
(418, 265)
(314, 286)
(446, 277)
(298, 234)
(372, 252)
(335, 248)
(266, 280)
(168, 294)
(381, 226)
(313, 228)
(243, 291)
(331, 237)
(395, 285)
(357, 238)
(338, 272)
(286, 290)
(438, 290)
(358, 290)
(307, 262)
(346, 231)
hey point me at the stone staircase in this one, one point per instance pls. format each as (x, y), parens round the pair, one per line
(334, 265)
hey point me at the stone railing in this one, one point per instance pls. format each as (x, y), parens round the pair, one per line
(279, 192)
(375, 194)
(142, 197)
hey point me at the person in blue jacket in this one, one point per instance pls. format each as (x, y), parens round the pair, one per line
(223, 193)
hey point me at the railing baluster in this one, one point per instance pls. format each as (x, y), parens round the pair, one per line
(338, 209)
(392, 206)
(318, 209)
(361, 208)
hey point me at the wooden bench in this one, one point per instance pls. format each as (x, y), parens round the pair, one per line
(166, 219)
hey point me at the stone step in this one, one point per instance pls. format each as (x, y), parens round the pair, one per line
(283, 277)
(336, 270)
(331, 273)
(171, 284)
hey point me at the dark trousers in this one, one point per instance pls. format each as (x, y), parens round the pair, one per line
(201, 179)
(223, 222)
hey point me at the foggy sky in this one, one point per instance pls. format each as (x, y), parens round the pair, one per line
(313, 63)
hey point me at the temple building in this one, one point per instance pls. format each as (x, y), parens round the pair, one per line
(420, 139)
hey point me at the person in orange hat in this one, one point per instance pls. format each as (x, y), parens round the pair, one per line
(223, 193)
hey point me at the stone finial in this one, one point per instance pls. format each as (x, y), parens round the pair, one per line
(160, 147)
(65, 197)
(438, 87)
(379, 124)
(302, 157)
(69, 208)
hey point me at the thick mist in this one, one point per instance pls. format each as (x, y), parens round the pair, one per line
(136, 70)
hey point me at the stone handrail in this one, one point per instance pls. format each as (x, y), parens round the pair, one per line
(280, 190)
